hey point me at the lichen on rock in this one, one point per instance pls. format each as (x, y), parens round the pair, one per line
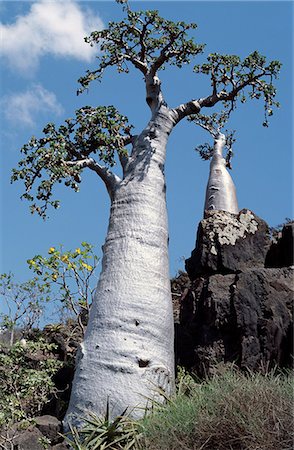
(227, 228)
(226, 241)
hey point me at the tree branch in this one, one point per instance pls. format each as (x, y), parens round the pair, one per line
(208, 128)
(142, 53)
(128, 55)
(124, 156)
(110, 180)
(213, 81)
(211, 100)
(136, 62)
(194, 106)
(165, 54)
(124, 160)
(185, 110)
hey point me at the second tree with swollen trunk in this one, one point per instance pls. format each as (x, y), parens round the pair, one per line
(127, 355)
(220, 191)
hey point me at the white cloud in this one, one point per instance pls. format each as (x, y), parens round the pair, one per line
(22, 108)
(56, 28)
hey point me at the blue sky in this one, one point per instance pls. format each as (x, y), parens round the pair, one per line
(43, 55)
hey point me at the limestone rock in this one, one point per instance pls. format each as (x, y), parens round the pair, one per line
(228, 243)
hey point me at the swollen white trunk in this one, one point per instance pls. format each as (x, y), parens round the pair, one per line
(128, 353)
(220, 191)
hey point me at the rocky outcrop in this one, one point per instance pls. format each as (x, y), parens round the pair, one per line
(43, 431)
(227, 243)
(236, 310)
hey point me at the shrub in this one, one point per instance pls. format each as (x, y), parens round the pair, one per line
(71, 277)
(26, 371)
(23, 303)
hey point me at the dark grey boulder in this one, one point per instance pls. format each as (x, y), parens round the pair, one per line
(30, 439)
(229, 243)
(239, 305)
(49, 426)
(264, 317)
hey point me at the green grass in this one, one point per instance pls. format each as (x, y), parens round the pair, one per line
(231, 411)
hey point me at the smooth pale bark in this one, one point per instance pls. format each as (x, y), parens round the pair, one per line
(220, 191)
(128, 352)
(127, 355)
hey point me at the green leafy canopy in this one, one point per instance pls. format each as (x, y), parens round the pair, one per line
(63, 152)
(233, 79)
(145, 40)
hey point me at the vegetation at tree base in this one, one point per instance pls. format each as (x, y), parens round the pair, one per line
(24, 303)
(104, 433)
(232, 410)
(63, 280)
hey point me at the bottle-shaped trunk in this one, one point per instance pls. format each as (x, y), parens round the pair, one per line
(128, 349)
(220, 191)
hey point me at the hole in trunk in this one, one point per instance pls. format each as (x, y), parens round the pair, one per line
(143, 363)
(137, 322)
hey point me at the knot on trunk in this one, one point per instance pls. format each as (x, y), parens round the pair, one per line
(153, 90)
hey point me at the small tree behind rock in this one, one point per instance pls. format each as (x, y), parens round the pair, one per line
(23, 303)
